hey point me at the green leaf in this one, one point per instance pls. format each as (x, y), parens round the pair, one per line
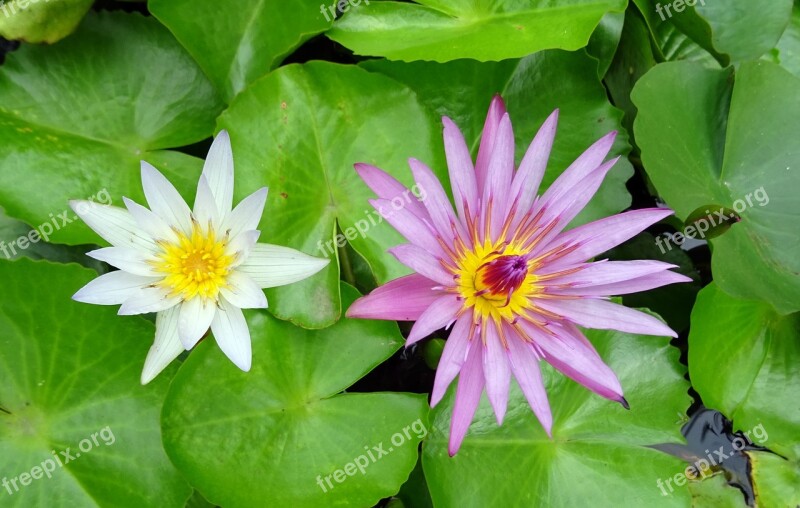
(777, 480)
(69, 382)
(41, 20)
(76, 118)
(275, 436)
(744, 360)
(598, 450)
(746, 29)
(680, 36)
(787, 51)
(716, 492)
(462, 90)
(237, 45)
(731, 142)
(299, 130)
(444, 30)
(605, 40)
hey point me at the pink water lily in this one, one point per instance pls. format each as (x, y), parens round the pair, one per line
(502, 270)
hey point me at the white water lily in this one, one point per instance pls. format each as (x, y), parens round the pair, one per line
(195, 268)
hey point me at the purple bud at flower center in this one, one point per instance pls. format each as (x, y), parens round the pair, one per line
(503, 275)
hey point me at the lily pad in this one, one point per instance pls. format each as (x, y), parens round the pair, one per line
(444, 30)
(731, 142)
(598, 450)
(284, 434)
(744, 360)
(299, 130)
(69, 388)
(237, 45)
(462, 90)
(41, 20)
(72, 122)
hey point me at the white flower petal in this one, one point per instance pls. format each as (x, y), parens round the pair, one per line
(247, 214)
(148, 299)
(150, 223)
(274, 265)
(205, 208)
(112, 288)
(127, 259)
(232, 335)
(114, 224)
(243, 292)
(195, 318)
(166, 347)
(164, 200)
(218, 170)
(241, 245)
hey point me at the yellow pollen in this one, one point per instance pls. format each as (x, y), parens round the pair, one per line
(194, 265)
(478, 292)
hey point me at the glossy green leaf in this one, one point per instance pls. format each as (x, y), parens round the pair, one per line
(270, 437)
(605, 40)
(238, 44)
(730, 141)
(777, 481)
(744, 360)
(41, 20)
(745, 29)
(77, 117)
(462, 90)
(787, 51)
(299, 131)
(69, 382)
(598, 451)
(680, 36)
(444, 30)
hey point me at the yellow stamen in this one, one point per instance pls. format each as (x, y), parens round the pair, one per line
(194, 265)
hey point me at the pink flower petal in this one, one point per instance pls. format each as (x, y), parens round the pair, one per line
(422, 262)
(403, 299)
(573, 355)
(436, 201)
(414, 229)
(531, 170)
(385, 186)
(496, 372)
(462, 172)
(441, 313)
(525, 366)
(498, 178)
(468, 395)
(496, 111)
(605, 315)
(453, 356)
(644, 283)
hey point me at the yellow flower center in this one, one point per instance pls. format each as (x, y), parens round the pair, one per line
(194, 265)
(496, 280)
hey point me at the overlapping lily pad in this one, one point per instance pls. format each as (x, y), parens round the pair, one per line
(239, 43)
(444, 30)
(76, 118)
(69, 386)
(598, 450)
(299, 131)
(277, 435)
(41, 21)
(462, 90)
(714, 138)
(744, 360)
